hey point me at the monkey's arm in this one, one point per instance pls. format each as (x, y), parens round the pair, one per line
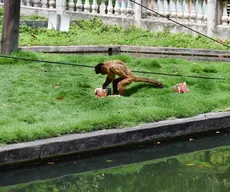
(107, 82)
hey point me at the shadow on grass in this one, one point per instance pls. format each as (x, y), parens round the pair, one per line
(132, 90)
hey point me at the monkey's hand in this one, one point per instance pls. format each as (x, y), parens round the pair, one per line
(104, 86)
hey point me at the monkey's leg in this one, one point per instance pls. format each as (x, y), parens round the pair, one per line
(115, 82)
(123, 83)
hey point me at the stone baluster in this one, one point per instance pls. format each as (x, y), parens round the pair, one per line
(22, 2)
(123, 8)
(28, 3)
(61, 11)
(110, 7)
(160, 6)
(212, 19)
(200, 14)
(166, 8)
(102, 8)
(152, 4)
(186, 10)
(52, 4)
(193, 10)
(205, 10)
(44, 3)
(117, 8)
(144, 11)
(229, 16)
(149, 5)
(224, 17)
(137, 13)
(36, 3)
(180, 13)
(79, 6)
(129, 8)
(94, 7)
(32, 3)
(155, 7)
(173, 11)
(71, 5)
(87, 6)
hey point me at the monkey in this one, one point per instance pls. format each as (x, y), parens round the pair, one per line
(118, 68)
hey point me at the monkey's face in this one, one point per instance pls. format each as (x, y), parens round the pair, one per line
(99, 68)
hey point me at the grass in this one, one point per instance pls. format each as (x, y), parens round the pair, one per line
(39, 100)
(33, 18)
(94, 32)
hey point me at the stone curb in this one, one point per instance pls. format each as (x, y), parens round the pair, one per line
(72, 49)
(114, 138)
(193, 54)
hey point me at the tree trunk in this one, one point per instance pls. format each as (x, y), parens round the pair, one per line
(10, 32)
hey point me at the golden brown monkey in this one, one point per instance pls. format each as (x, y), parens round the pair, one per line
(116, 67)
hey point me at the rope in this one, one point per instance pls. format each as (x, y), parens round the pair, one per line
(89, 66)
(181, 24)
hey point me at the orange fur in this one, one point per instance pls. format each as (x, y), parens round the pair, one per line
(118, 68)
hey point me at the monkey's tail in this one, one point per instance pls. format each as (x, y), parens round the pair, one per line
(147, 80)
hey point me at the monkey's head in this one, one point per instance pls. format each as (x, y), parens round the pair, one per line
(99, 68)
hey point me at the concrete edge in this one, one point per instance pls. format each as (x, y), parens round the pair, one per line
(72, 49)
(105, 139)
(129, 49)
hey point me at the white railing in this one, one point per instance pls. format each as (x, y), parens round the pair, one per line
(194, 12)
(183, 10)
(187, 10)
(226, 13)
(39, 3)
(121, 7)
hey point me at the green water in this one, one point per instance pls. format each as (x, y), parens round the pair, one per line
(204, 170)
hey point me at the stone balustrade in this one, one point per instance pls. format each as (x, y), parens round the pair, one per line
(211, 17)
(181, 10)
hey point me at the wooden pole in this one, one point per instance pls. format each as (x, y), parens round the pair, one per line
(10, 32)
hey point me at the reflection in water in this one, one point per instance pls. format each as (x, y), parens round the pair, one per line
(199, 171)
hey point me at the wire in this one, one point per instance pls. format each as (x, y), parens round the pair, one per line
(46, 61)
(89, 66)
(181, 24)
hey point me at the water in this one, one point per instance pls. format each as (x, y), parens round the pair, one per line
(199, 165)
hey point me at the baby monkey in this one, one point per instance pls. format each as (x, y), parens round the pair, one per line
(125, 77)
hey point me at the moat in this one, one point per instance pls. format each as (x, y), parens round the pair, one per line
(195, 164)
